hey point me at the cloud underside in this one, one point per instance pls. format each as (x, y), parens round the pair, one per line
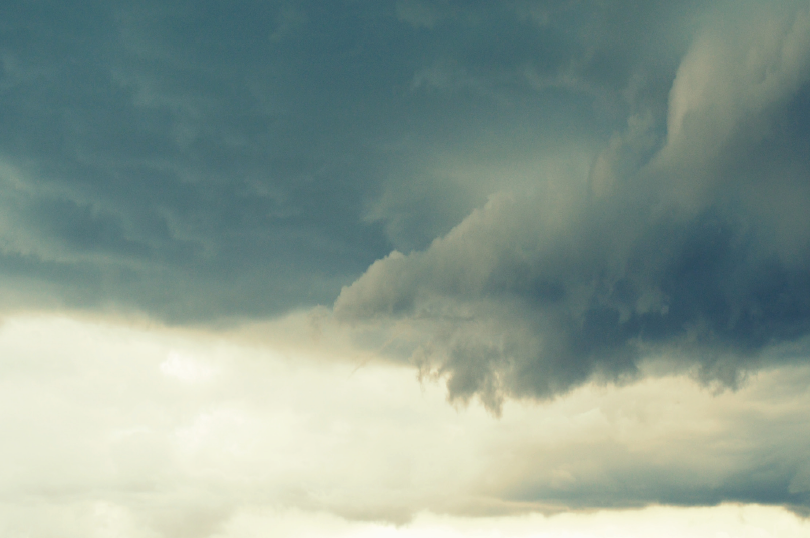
(200, 162)
(690, 247)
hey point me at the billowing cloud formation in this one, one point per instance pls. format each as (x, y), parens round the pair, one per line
(688, 242)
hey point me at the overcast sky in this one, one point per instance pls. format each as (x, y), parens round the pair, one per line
(413, 268)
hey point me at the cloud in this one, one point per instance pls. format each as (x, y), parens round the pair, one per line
(200, 162)
(113, 427)
(666, 249)
(730, 86)
(419, 14)
(170, 168)
(591, 203)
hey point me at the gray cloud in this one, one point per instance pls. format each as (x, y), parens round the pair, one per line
(198, 161)
(557, 195)
(687, 244)
(750, 459)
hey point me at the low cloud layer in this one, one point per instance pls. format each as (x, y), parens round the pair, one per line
(688, 242)
(145, 432)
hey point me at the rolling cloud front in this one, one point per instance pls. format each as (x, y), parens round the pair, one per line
(256, 230)
(689, 239)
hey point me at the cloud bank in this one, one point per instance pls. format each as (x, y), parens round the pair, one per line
(197, 162)
(149, 432)
(688, 242)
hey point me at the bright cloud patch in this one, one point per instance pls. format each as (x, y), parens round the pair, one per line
(99, 437)
(185, 368)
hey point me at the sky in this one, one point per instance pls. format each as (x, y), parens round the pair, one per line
(412, 268)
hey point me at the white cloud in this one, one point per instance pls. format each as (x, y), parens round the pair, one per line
(185, 368)
(97, 439)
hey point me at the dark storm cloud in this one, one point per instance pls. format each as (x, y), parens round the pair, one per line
(687, 240)
(157, 141)
(201, 159)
